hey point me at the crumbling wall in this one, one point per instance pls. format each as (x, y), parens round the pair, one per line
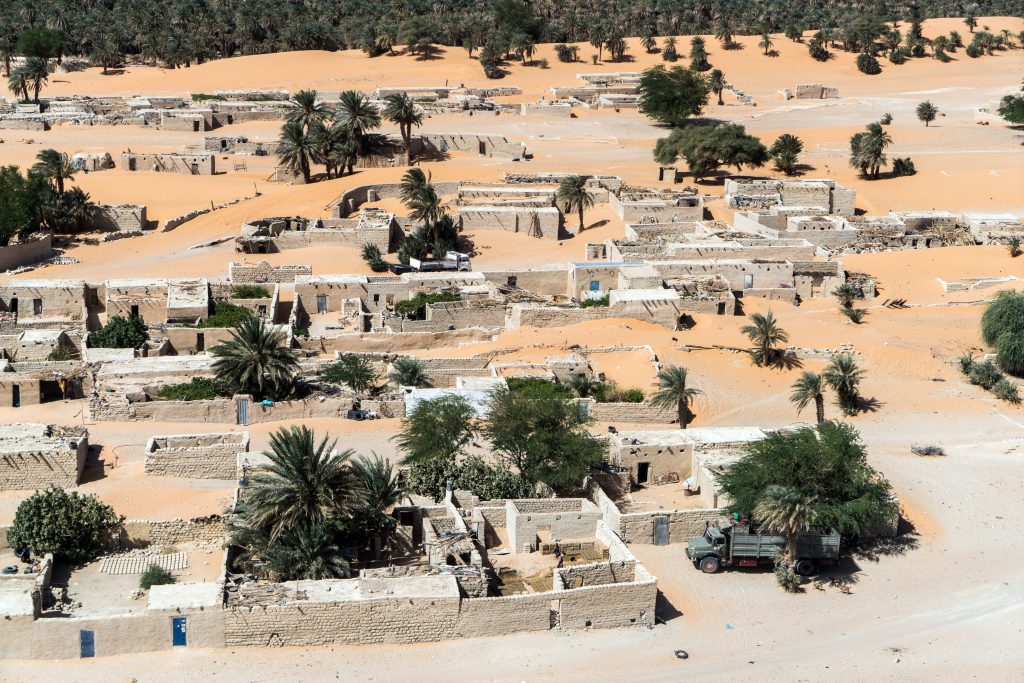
(25, 253)
(119, 217)
(199, 456)
(263, 272)
(631, 413)
(543, 221)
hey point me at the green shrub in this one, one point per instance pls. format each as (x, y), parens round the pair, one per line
(567, 53)
(1013, 246)
(633, 395)
(226, 314)
(868, 64)
(61, 353)
(787, 578)
(205, 97)
(903, 167)
(966, 363)
(155, 575)
(985, 375)
(250, 292)
(528, 385)
(1002, 326)
(601, 301)
(71, 526)
(490, 482)
(1006, 390)
(855, 315)
(415, 308)
(543, 63)
(354, 371)
(198, 389)
(119, 333)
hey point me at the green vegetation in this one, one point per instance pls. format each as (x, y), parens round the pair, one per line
(868, 65)
(574, 196)
(255, 361)
(673, 392)
(810, 476)
(987, 376)
(602, 300)
(294, 519)
(119, 333)
(764, 333)
(1011, 108)
(409, 372)
(785, 151)
(155, 575)
(867, 150)
(415, 308)
(1002, 327)
(250, 292)
(673, 95)
(1013, 247)
(854, 315)
(63, 353)
(844, 377)
(926, 112)
(227, 314)
(373, 257)
(809, 387)
(707, 148)
(206, 97)
(40, 199)
(541, 386)
(71, 526)
(903, 167)
(355, 372)
(196, 389)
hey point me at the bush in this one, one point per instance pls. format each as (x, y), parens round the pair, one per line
(1006, 390)
(855, 315)
(72, 527)
(374, 258)
(62, 353)
(205, 97)
(899, 56)
(119, 333)
(633, 395)
(818, 51)
(415, 308)
(600, 301)
(226, 314)
(354, 371)
(250, 292)
(490, 482)
(197, 389)
(985, 375)
(966, 363)
(534, 385)
(787, 578)
(927, 450)
(155, 575)
(1002, 326)
(974, 50)
(567, 53)
(903, 167)
(543, 63)
(868, 64)
(1013, 246)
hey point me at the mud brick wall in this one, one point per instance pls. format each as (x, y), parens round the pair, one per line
(120, 217)
(199, 456)
(631, 413)
(263, 272)
(599, 574)
(638, 527)
(25, 253)
(37, 469)
(534, 221)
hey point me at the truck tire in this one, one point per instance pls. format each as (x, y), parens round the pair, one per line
(710, 565)
(806, 568)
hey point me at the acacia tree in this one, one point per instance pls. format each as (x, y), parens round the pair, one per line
(707, 148)
(672, 95)
(824, 476)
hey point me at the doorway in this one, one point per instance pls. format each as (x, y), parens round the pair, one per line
(16, 396)
(661, 536)
(195, 169)
(643, 472)
(321, 303)
(87, 641)
(748, 281)
(134, 311)
(179, 637)
(200, 342)
(242, 411)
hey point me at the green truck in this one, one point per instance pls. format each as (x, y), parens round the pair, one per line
(739, 545)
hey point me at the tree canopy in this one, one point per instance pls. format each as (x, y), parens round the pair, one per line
(1002, 327)
(672, 95)
(707, 148)
(71, 526)
(825, 465)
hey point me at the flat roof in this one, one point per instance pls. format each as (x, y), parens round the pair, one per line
(186, 595)
(17, 601)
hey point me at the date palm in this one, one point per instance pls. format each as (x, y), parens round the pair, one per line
(56, 167)
(409, 372)
(304, 109)
(764, 333)
(716, 81)
(926, 112)
(582, 385)
(809, 387)
(400, 109)
(766, 43)
(37, 72)
(307, 552)
(785, 510)
(380, 489)
(304, 483)
(843, 375)
(673, 392)
(297, 148)
(359, 116)
(255, 360)
(574, 196)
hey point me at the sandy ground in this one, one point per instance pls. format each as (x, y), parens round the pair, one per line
(950, 606)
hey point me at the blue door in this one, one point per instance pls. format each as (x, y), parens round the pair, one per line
(595, 285)
(88, 641)
(178, 638)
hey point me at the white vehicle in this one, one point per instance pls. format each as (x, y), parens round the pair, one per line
(453, 260)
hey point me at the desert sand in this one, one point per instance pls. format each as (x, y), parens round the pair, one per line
(950, 606)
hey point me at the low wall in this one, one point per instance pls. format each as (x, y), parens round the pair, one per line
(26, 253)
(198, 456)
(631, 413)
(37, 469)
(638, 527)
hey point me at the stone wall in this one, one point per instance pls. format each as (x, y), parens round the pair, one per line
(200, 456)
(631, 413)
(263, 272)
(119, 217)
(200, 163)
(598, 574)
(36, 468)
(473, 143)
(542, 221)
(563, 518)
(26, 253)
(142, 532)
(352, 199)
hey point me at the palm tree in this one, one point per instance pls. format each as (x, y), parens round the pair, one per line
(412, 181)
(843, 375)
(786, 510)
(926, 111)
(37, 72)
(724, 30)
(425, 205)
(307, 552)
(845, 294)
(255, 361)
(716, 81)
(582, 385)
(380, 491)
(304, 109)
(297, 148)
(573, 194)
(18, 82)
(334, 148)
(867, 149)
(673, 393)
(764, 334)
(56, 167)
(359, 116)
(399, 108)
(785, 151)
(649, 44)
(766, 42)
(809, 388)
(410, 372)
(304, 483)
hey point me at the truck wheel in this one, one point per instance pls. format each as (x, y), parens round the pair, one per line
(709, 565)
(806, 567)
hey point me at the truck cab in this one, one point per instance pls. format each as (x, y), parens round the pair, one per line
(707, 551)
